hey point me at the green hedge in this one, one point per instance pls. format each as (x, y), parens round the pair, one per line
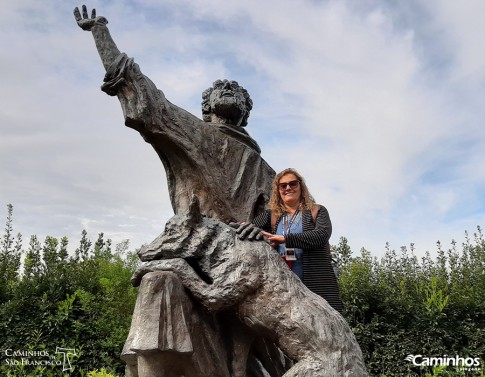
(401, 305)
(82, 302)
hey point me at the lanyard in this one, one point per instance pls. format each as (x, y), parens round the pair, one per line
(287, 224)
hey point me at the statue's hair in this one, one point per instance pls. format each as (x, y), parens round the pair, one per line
(207, 110)
(277, 205)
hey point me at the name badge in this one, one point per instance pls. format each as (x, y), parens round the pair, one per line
(290, 253)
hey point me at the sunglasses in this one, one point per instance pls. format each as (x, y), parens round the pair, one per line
(291, 184)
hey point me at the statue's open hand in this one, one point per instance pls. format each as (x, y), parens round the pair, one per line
(85, 22)
(247, 230)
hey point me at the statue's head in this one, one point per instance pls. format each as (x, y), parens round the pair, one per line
(226, 102)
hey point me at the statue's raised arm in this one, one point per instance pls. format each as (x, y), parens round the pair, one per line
(107, 49)
(213, 158)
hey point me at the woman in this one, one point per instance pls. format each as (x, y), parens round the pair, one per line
(300, 229)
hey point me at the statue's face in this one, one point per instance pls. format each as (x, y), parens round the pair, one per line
(227, 101)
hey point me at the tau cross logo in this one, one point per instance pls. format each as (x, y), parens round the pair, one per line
(66, 362)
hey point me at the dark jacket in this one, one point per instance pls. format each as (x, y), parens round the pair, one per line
(318, 273)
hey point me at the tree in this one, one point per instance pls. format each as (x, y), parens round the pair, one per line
(32, 261)
(10, 254)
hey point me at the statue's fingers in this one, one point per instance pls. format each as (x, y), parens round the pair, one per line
(246, 232)
(77, 14)
(259, 236)
(254, 232)
(242, 227)
(85, 12)
(234, 225)
(93, 13)
(242, 231)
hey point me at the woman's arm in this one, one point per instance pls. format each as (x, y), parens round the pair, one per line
(263, 220)
(312, 239)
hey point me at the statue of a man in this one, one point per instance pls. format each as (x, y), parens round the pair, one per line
(214, 158)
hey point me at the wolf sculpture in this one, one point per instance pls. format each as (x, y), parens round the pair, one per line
(223, 272)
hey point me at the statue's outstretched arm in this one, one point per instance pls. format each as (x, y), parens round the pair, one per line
(107, 49)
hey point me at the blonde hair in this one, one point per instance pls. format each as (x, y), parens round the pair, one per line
(277, 205)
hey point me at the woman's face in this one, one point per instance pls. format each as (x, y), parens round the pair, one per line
(290, 189)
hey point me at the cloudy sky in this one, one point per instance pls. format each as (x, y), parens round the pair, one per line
(380, 105)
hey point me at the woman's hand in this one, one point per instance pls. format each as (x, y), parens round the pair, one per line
(273, 239)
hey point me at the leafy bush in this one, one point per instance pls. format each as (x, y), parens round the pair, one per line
(101, 373)
(401, 305)
(82, 302)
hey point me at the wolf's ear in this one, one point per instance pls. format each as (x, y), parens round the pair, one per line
(194, 215)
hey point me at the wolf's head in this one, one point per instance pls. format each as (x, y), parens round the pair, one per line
(191, 237)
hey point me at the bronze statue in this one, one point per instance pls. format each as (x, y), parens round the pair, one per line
(214, 169)
(214, 159)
